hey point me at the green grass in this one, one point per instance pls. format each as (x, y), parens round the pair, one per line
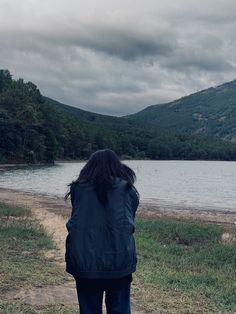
(23, 265)
(15, 211)
(184, 266)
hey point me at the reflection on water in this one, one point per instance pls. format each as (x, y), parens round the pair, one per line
(198, 184)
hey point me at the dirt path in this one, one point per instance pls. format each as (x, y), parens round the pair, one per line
(44, 210)
(52, 213)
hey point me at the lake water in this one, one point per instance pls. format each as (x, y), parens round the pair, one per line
(180, 184)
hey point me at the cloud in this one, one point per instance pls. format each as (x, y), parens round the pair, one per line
(198, 59)
(117, 57)
(121, 41)
(125, 42)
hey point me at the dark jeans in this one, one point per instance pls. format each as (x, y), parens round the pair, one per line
(90, 296)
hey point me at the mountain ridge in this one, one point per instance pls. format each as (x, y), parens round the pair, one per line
(211, 111)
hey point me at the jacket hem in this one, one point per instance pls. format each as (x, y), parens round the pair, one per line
(103, 274)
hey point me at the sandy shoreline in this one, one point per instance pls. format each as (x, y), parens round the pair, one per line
(58, 206)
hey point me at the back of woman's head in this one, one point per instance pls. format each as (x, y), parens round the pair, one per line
(102, 169)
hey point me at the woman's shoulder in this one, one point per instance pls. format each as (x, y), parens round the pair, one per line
(131, 189)
(118, 182)
(78, 184)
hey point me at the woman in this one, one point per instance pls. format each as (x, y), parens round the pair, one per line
(100, 247)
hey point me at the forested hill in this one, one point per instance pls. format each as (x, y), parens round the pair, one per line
(211, 111)
(35, 128)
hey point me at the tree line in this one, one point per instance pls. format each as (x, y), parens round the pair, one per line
(33, 130)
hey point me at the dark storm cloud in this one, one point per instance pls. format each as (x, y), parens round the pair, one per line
(125, 43)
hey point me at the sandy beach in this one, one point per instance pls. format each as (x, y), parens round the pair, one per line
(58, 206)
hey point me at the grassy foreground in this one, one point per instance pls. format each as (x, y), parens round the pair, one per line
(183, 267)
(23, 265)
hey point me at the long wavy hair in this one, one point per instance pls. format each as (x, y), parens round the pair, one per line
(101, 170)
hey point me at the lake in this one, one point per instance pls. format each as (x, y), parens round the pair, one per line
(208, 185)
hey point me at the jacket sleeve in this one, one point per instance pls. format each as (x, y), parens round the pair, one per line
(135, 198)
(74, 203)
(72, 196)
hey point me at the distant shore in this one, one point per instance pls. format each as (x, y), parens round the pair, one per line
(4, 167)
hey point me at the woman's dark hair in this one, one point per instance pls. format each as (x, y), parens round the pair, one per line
(101, 170)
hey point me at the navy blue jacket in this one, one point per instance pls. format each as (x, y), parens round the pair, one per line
(100, 242)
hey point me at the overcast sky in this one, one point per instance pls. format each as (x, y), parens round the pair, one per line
(119, 56)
